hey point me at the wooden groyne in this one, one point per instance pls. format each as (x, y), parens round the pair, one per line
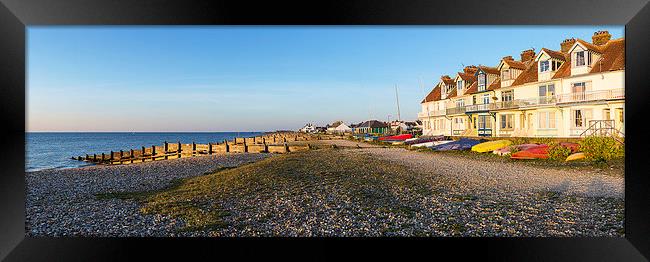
(268, 143)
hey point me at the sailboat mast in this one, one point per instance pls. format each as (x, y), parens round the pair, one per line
(399, 118)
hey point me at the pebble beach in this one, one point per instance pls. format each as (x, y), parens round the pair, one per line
(63, 202)
(349, 190)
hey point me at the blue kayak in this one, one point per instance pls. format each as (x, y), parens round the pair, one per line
(461, 144)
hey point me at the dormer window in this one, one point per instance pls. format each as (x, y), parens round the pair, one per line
(459, 85)
(544, 66)
(580, 58)
(481, 82)
(505, 74)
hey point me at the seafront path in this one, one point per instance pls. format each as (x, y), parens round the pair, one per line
(342, 188)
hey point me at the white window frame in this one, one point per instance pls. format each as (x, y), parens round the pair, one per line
(546, 124)
(510, 94)
(548, 66)
(482, 77)
(505, 74)
(486, 98)
(509, 121)
(546, 88)
(584, 58)
(585, 116)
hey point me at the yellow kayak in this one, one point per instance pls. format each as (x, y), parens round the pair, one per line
(576, 156)
(491, 146)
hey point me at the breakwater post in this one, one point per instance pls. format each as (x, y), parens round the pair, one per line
(283, 142)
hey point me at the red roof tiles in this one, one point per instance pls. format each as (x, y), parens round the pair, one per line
(472, 89)
(555, 54)
(489, 70)
(589, 46)
(453, 93)
(527, 76)
(434, 95)
(495, 85)
(612, 58)
(515, 64)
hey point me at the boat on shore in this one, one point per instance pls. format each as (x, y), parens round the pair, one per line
(508, 149)
(397, 138)
(420, 140)
(461, 144)
(432, 143)
(491, 146)
(538, 152)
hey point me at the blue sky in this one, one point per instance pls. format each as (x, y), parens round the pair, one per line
(250, 78)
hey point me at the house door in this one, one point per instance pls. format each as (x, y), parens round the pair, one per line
(484, 125)
(619, 122)
(606, 115)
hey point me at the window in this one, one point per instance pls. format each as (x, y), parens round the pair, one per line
(505, 74)
(460, 103)
(486, 99)
(580, 58)
(543, 66)
(546, 120)
(481, 82)
(474, 100)
(580, 118)
(579, 87)
(484, 122)
(546, 90)
(507, 121)
(506, 96)
(459, 85)
(621, 117)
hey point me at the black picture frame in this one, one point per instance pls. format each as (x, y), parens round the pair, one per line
(15, 15)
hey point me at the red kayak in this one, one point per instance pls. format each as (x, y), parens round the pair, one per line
(396, 138)
(538, 152)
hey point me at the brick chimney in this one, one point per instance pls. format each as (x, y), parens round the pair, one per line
(601, 37)
(566, 44)
(527, 55)
(470, 69)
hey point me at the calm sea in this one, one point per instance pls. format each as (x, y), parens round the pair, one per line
(53, 150)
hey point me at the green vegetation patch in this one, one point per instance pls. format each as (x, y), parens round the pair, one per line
(213, 201)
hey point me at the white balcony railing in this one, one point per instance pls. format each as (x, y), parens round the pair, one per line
(591, 96)
(431, 113)
(479, 107)
(599, 95)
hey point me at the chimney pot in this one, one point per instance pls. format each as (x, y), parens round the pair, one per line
(527, 55)
(601, 37)
(566, 44)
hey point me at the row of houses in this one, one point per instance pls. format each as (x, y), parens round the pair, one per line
(551, 93)
(366, 127)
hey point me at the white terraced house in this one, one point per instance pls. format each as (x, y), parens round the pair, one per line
(573, 92)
